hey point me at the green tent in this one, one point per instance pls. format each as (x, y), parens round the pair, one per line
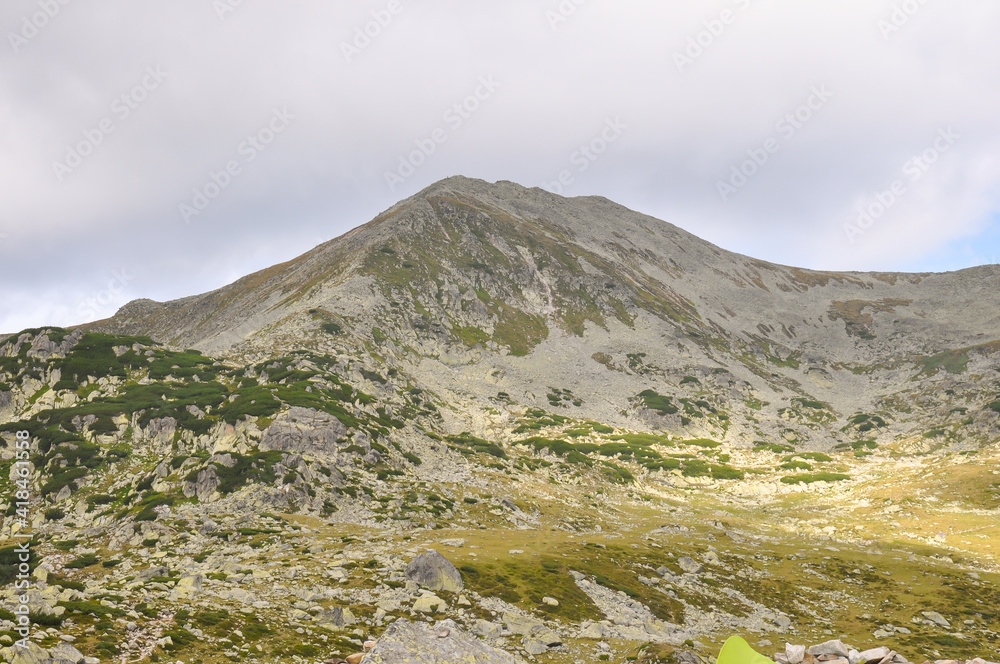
(737, 651)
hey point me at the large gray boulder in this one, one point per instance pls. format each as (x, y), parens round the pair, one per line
(64, 652)
(204, 485)
(434, 572)
(832, 647)
(304, 430)
(442, 643)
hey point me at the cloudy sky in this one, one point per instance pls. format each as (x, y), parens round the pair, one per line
(163, 149)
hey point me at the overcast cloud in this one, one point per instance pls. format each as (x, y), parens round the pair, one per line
(760, 125)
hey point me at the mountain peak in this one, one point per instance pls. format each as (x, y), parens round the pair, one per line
(496, 277)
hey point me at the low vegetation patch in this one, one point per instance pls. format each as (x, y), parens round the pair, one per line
(809, 478)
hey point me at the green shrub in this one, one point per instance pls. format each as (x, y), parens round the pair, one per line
(472, 444)
(10, 559)
(85, 560)
(257, 467)
(727, 473)
(815, 456)
(703, 442)
(62, 478)
(661, 404)
(695, 468)
(56, 580)
(815, 477)
(90, 607)
(777, 448)
(45, 619)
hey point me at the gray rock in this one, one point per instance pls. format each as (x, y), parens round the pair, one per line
(782, 622)
(204, 485)
(429, 603)
(689, 565)
(434, 572)
(795, 654)
(150, 572)
(442, 643)
(304, 430)
(66, 652)
(540, 641)
(33, 654)
(486, 629)
(337, 616)
(832, 647)
(520, 624)
(936, 618)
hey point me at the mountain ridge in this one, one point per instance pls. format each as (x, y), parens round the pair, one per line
(483, 279)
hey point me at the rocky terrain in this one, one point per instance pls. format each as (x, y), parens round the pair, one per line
(552, 428)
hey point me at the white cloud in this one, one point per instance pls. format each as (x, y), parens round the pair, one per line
(686, 129)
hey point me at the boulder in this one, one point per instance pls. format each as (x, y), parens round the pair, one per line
(689, 565)
(936, 618)
(430, 603)
(521, 624)
(874, 654)
(33, 654)
(441, 643)
(204, 485)
(434, 572)
(540, 640)
(832, 647)
(794, 654)
(337, 617)
(304, 430)
(65, 651)
(188, 586)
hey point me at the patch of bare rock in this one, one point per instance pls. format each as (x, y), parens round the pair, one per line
(837, 652)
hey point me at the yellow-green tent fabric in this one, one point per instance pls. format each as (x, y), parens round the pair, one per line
(737, 651)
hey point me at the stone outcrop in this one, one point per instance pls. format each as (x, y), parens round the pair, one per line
(836, 651)
(304, 430)
(434, 572)
(441, 643)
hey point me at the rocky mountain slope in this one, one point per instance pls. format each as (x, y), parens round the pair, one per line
(470, 289)
(624, 443)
